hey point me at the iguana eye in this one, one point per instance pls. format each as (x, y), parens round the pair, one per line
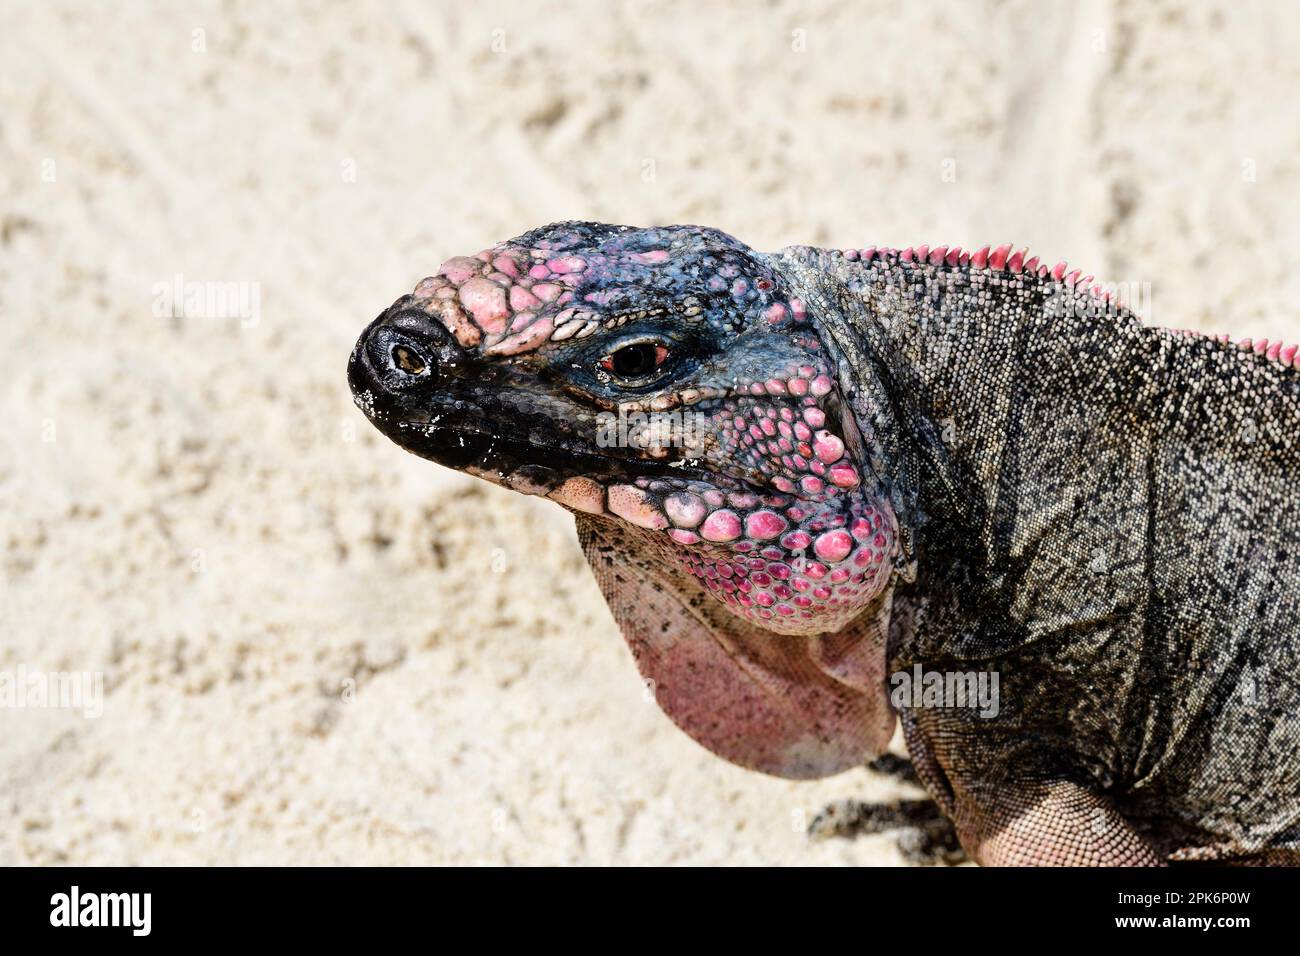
(635, 361)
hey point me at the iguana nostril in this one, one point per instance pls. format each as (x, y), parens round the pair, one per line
(408, 360)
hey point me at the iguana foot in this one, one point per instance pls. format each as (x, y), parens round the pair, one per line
(892, 765)
(925, 836)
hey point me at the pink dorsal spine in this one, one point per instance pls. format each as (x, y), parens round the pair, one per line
(1002, 259)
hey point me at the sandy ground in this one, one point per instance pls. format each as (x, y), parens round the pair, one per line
(316, 649)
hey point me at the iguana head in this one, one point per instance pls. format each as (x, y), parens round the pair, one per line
(670, 388)
(667, 378)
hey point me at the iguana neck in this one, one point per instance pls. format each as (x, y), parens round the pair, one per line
(975, 382)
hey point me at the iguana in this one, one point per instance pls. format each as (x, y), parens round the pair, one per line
(804, 479)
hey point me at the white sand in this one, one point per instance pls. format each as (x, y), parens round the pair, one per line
(194, 508)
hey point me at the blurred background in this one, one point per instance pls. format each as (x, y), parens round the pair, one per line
(317, 649)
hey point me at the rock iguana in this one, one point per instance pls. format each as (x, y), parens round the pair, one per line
(815, 485)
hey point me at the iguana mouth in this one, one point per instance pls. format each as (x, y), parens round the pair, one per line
(460, 447)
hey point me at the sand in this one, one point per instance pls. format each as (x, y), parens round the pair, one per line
(316, 649)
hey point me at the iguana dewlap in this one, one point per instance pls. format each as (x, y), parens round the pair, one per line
(799, 475)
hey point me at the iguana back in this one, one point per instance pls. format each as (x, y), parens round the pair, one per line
(1110, 517)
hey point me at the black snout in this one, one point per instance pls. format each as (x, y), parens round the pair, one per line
(403, 349)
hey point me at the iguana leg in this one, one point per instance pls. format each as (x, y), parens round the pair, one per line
(1046, 823)
(1008, 813)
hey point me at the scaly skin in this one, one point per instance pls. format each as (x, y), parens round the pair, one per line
(927, 457)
